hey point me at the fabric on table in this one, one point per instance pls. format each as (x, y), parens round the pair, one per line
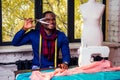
(88, 71)
(111, 75)
(25, 76)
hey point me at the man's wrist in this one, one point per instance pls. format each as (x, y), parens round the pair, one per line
(65, 63)
(25, 29)
(34, 67)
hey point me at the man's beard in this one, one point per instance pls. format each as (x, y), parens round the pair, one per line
(47, 28)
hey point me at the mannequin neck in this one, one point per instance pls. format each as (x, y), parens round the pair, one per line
(91, 1)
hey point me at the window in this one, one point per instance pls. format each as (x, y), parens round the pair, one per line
(59, 7)
(78, 19)
(13, 14)
(69, 20)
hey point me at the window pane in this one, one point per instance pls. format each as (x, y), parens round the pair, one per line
(13, 14)
(78, 18)
(59, 7)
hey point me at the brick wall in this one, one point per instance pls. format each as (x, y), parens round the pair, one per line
(114, 21)
(7, 71)
(114, 29)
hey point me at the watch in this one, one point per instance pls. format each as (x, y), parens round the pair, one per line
(66, 63)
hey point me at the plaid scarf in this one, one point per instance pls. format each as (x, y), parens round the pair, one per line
(46, 50)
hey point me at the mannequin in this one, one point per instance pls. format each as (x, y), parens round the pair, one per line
(92, 12)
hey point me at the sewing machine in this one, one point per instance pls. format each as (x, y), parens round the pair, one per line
(86, 54)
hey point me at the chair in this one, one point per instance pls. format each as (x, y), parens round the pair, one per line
(87, 53)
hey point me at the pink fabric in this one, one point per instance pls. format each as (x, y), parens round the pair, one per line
(103, 65)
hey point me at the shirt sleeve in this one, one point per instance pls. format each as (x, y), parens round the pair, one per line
(20, 38)
(65, 50)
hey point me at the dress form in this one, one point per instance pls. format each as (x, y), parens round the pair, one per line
(92, 12)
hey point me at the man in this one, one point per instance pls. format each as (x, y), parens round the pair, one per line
(46, 42)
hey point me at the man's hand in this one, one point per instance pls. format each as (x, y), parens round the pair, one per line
(28, 24)
(63, 66)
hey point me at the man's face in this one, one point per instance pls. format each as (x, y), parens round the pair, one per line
(50, 18)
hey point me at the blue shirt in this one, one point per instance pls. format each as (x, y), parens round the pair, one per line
(22, 37)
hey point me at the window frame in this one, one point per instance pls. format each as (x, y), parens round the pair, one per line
(38, 12)
(71, 22)
(0, 22)
(70, 31)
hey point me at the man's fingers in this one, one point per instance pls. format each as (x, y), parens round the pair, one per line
(63, 66)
